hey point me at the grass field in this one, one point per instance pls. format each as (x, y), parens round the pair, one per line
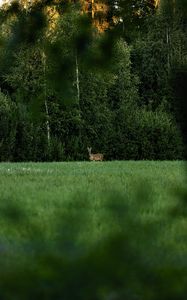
(81, 204)
(43, 190)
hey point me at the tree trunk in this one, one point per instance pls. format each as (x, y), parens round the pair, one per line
(77, 78)
(168, 46)
(45, 100)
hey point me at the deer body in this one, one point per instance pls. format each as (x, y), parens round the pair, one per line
(94, 157)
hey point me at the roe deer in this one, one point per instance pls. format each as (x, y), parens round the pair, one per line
(94, 157)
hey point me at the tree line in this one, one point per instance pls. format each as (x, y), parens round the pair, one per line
(64, 86)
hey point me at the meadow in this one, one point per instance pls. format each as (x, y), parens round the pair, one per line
(75, 207)
(43, 190)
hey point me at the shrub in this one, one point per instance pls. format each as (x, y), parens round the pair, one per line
(158, 136)
(143, 134)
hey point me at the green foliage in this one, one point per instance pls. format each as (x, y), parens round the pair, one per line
(7, 127)
(143, 134)
(95, 111)
(132, 15)
(25, 76)
(154, 56)
(75, 88)
(158, 136)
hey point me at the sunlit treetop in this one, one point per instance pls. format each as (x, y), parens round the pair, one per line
(96, 9)
(103, 13)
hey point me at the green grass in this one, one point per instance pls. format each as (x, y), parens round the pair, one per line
(101, 229)
(43, 190)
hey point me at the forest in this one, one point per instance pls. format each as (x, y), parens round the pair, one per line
(67, 82)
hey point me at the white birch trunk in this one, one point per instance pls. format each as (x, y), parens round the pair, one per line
(168, 50)
(45, 100)
(77, 78)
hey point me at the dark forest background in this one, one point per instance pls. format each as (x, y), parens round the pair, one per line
(65, 86)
